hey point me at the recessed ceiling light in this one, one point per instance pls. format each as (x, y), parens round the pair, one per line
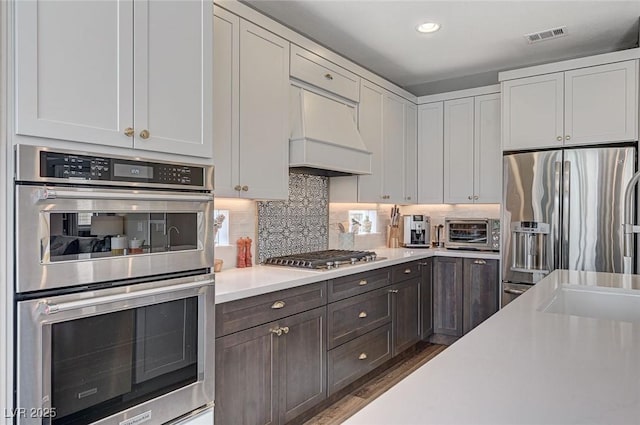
(428, 27)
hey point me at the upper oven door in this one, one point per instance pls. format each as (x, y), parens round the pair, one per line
(468, 233)
(67, 236)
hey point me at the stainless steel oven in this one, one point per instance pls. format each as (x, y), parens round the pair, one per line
(114, 290)
(472, 233)
(123, 355)
(84, 218)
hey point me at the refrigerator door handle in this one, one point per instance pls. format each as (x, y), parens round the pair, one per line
(566, 212)
(556, 207)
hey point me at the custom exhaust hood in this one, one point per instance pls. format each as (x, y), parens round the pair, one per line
(324, 137)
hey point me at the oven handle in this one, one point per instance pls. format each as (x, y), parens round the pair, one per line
(49, 193)
(49, 309)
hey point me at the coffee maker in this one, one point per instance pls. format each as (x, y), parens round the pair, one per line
(416, 233)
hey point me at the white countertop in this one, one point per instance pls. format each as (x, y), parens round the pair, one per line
(523, 365)
(235, 284)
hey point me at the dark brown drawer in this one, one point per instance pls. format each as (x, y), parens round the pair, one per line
(354, 359)
(355, 284)
(405, 271)
(243, 314)
(358, 315)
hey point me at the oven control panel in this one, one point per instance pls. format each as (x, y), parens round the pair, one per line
(69, 166)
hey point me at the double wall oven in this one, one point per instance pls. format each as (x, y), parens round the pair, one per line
(114, 290)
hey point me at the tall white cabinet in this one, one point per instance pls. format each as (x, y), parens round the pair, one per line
(595, 104)
(430, 153)
(458, 151)
(251, 110)
(118, 73)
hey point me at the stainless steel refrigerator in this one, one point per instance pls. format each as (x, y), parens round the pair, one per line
(563, 209)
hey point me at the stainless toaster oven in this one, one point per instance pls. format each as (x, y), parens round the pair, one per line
(472, 233)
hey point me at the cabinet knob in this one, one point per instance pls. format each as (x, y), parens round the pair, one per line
(237, 187)
(285, 329)
(393, 291)
(469, 197)
(475, 197)
(144, 134)
(362, 356)
(568, 137)
(362, 314)
(480, 262)
(276, 331)
(278, 305)
(129, 132)
(559, 138)
(407, 271)
(363, 282)
(245, 188)
(328, 76)
(408, 198)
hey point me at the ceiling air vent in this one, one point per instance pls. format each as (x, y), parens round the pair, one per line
(546, 35)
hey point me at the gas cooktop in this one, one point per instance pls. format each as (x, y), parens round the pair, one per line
(323, 260)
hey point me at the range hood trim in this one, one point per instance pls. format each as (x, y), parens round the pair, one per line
(324, 153)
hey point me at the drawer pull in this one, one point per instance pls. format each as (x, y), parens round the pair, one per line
(407, 271)
(362, 356)
(328, 77)
(362, 314)
(285, 329)
(276, 331)
(278, 305)
(393, 291)
(363, 282)
(480, 262)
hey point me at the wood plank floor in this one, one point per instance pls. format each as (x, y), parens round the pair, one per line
(369, 391)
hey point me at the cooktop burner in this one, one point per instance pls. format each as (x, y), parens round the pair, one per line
(328, 259)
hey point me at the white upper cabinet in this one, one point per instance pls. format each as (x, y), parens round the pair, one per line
(458, 150)
(74, 70)
(410, 153)
(393, 149)
(370, 126)
(118, 73)
(173, 68)
(250, 110)
(430, 153)
(532, 115)
(601, 104)
(597, 104)
(487, 156)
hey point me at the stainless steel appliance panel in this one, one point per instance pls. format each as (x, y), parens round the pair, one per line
(532, 185)
(36, 319)
(35, 205)
(594, 182)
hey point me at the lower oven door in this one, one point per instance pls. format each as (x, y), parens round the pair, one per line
(140, 353)
(511, 291)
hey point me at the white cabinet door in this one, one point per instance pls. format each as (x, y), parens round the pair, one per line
(173, 71)
(226, 96)
(370, 125)
(410, 153)
(458, 151)
(264, 113)
(601, 104)
(430, 153)
(532, 113)
(487, 154)
(74, 70)
(393, 143)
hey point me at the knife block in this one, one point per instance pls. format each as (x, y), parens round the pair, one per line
(393, 236)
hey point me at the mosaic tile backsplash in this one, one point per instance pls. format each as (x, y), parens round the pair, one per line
(298, 225)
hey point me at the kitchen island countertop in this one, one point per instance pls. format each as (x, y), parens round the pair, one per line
(527, 366)
(234, 284)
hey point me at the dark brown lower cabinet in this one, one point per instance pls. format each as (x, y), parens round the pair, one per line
(405, 302)
(481, 291)
(426, 297)
(447, 295)
(271, 373)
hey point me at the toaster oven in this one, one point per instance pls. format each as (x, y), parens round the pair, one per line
(481, 234)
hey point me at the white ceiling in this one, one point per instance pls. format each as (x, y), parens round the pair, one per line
(477, 38)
